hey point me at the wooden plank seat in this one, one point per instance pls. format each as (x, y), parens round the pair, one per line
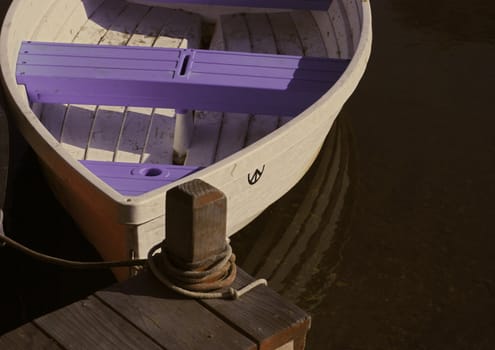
(280, 4)
(132, 179)
(174, 78)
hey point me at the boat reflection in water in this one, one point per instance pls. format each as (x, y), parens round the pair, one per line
(297, 242)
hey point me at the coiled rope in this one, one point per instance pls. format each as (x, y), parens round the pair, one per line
(199, 281)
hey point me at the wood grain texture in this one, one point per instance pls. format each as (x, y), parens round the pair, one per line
(27, 337)
(89, 324)
(171, 320)
(263, 315)
(196, 221)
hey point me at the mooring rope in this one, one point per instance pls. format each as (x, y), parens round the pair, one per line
(188, 282)
(5, 240)
(196, 284)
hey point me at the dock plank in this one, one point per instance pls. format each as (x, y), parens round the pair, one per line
(27, 336)
(175, 322)
(140, 313)
(89, 324)
(277, 324)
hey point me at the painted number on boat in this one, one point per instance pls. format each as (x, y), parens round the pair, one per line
(256, 176)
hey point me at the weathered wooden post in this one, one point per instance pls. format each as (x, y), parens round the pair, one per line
(195, 253)
(196, 222)
(196, 240)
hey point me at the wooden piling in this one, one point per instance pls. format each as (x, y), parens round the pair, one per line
(141, 313)
(196, 221)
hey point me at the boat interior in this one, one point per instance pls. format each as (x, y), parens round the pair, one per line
(126, 134)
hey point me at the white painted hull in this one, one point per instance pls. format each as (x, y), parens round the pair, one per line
(118, 225)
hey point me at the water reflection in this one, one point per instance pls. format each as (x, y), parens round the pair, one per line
(454, 20)
(301, 236)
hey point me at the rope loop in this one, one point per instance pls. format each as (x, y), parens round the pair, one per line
(203, 283)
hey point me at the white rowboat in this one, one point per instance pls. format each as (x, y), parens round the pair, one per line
(253, 158)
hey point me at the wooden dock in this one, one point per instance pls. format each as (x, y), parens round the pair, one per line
(141, 313)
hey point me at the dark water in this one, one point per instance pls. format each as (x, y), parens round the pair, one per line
(389, 240)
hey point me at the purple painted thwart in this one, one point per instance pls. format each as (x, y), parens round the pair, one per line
(174, 78)
(285, 4)
(132, 179)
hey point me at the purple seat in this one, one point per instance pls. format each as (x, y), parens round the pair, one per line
(174, 78)
(283, 4)
(131, 179)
